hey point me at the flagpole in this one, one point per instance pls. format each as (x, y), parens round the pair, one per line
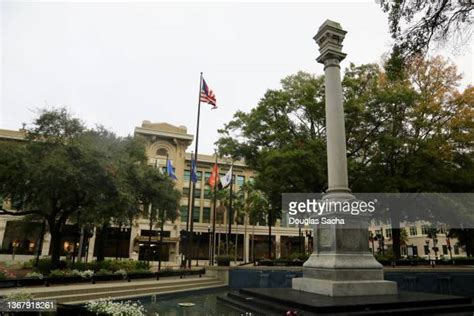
(185, 244)
(191, 225)
(230, 208)
(214, 216)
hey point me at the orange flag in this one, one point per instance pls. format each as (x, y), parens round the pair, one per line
(214, 179)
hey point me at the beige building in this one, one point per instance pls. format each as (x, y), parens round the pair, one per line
(416, 243)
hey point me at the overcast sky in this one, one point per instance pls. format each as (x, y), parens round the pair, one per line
(118, 64)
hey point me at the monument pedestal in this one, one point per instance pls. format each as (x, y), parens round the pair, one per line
(344, 288)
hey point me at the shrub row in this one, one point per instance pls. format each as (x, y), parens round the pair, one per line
(44, 265)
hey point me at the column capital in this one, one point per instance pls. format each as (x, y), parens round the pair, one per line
(329, 38)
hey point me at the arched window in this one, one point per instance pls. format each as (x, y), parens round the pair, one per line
(162, 152)
(160, 159)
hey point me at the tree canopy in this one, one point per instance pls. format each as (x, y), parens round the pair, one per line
(64, 171)
(400, 127)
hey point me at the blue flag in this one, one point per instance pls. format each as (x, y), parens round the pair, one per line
(193, 171)
(169, 170)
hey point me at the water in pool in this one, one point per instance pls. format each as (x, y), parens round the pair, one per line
(205, 304)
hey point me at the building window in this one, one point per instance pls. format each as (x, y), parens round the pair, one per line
(456, 249)
(186, 192)
(251, 179)
(403, 250)
(388, 233)
(445, 249)
(220, 216)
(207, 192)
(442, 230)
(240, 180)
(206, 215)
(196, 214)
(162, 152)
(413, 231)
(207, 176)
(197, 193)
(187, 175)
(425, 230)
(183, 212)
(378, 233)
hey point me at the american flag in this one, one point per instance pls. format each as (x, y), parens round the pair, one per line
(207, 95)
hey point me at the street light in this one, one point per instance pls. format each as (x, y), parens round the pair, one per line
(198, 235)
(435, 247)
(309, 234)
(448, 243)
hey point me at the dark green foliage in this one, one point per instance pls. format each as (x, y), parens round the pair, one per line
(65, 172)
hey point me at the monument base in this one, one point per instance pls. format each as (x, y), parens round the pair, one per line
(279, 301)
(344, 288)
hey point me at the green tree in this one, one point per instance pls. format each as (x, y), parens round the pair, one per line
(400, 127)
(465, 239)
(66, 173)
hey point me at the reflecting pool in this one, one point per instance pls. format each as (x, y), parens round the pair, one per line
(205, 304)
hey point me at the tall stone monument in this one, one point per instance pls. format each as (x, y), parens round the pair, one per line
(341, 263)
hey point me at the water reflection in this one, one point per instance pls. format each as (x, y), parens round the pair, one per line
(205, 304)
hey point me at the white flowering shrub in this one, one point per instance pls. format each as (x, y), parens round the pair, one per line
(121, 272)
(18, 296)
(108, 307)
(34, 275)
(87, 274)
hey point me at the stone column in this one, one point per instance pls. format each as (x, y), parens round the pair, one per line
(277, 246)
(3, 225)
(246, 245)
(90, 250)
(341, 263)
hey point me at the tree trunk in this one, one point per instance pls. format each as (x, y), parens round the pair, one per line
(81, 245)
(395, 220)
(102, 243)
(269, 234)
(245, 239)
(253, 243)
(55, 247)
(396, 242)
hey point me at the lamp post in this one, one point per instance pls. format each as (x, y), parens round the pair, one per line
(448, 243)
(427, 242)
(309, 235)
(198, 235)
(435, 247)
(15, 245)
